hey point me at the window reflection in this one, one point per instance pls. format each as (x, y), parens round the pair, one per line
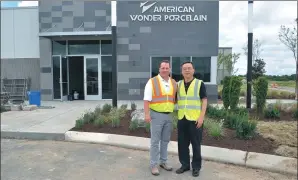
(202, 67)
(83, 47)
(106, 76)
(106, 47)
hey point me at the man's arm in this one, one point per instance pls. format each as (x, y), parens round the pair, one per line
(203, 96)
(147, 97)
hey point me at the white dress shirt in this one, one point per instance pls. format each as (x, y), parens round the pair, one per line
(149, 88)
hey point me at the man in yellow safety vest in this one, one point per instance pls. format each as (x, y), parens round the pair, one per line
(192, 104)
(159, 99)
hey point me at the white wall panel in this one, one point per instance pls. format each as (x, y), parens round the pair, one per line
(19, 33)
(7, 41)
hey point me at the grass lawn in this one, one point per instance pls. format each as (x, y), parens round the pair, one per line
(284, 83)
(284, 133)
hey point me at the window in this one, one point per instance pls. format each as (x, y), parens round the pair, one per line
(202, 66)
(83, 47)
(176, 67)
(58, 47)
(106, 47)
(106, 77)
(155, 61)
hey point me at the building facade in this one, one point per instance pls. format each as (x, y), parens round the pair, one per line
(66, 46)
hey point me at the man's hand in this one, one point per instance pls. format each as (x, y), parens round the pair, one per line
(147, 118)
(199, 122)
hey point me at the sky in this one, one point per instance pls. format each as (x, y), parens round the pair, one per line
(268, 16)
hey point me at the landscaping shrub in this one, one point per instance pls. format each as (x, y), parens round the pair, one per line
(226, 92)
(231, 120)
(261, 88)
(133, 125)
(214, 128)
(89, 117)
(97, 111)
(272, 113)
(246, 129)
(99, 121)
(231, 91)
(147, 127)
(215, 112)
(79, 123)
(106, 108)
(133, 106)
(235, 88)
(115, 117)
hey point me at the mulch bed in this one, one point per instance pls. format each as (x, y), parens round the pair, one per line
(258, 144)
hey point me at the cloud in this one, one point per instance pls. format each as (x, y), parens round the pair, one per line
(27, 3)
(268, 16)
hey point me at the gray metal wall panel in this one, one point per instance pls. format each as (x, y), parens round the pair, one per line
(74, 15)
(46, 78)
(137, 41)
(22, 68)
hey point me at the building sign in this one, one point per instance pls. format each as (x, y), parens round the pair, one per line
(167, 13)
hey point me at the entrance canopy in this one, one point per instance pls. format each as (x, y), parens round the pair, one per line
(76, 33)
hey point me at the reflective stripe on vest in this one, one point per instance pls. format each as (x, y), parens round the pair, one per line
(196, 95)
(158, 97)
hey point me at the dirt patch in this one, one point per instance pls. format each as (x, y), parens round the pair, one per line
(258, 144)
(283, 133)
(286, 151)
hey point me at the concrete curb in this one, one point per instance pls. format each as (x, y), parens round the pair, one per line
(267, 162)
(33, 135)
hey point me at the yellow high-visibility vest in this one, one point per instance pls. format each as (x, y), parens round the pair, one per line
(189, 104)
(161, 100)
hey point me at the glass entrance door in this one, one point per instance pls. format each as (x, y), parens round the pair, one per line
(92, 78)
(60, 78)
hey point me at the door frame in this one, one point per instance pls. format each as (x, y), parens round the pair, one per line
(93, 97)
(62, 98)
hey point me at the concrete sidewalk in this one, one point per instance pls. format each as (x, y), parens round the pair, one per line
(52, 160)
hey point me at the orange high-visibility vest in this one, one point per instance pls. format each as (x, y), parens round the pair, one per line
(161, 100)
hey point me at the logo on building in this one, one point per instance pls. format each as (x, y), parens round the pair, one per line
(153, 12)
(145, 6)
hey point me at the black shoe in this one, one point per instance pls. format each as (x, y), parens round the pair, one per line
(182, 170)
(195, 172)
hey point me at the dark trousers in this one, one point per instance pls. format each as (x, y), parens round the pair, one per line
(189, 133)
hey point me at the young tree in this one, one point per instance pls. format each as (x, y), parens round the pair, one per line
(288, 36)
(256, 49)
(231, 61)
(258, 68)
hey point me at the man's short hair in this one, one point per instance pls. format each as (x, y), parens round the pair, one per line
(187, 62)
(164, 61)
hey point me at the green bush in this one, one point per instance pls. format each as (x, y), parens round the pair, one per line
(175, 119)
(215, 112)
(226, 92)
(147, 127)
(214, 128)
(100, 121)
(246, 129)
(115, 117)
(133, 106)
(231, 91)
(106, 108)
(261, 89)
(79, 123)
(235, 88)
(231, 120)
(89, 117)
(133, 125)
(272, 113)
